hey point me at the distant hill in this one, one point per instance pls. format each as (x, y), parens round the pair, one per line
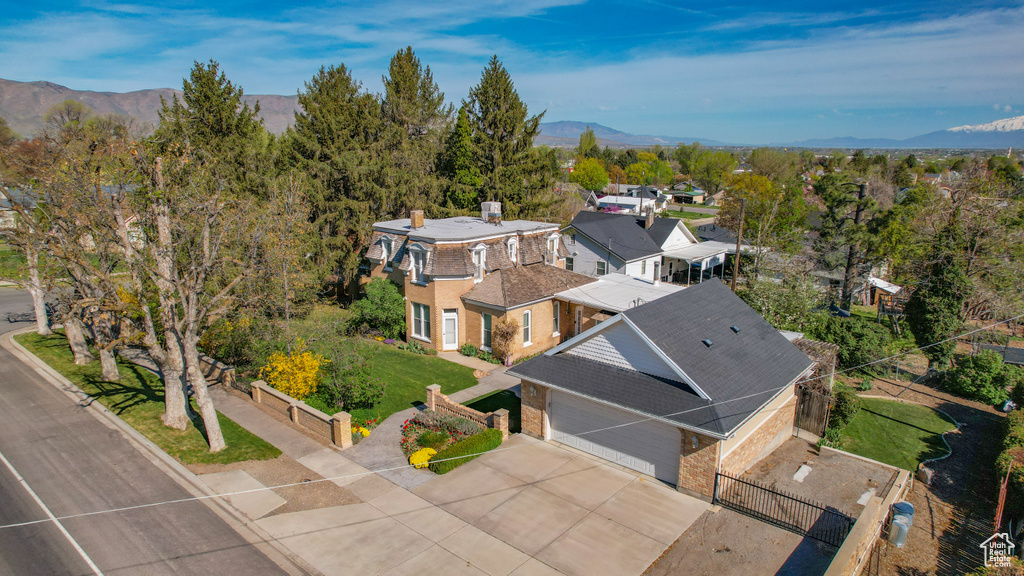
(567, 134)
(1005, 133)
(24, 105)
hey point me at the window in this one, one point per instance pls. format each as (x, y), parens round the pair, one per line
(602, 268)
(555, 313)
(479, 261)
(572, 238)
(553, 244)
(513, 250)
(643, 267)
(418, 260)
(568, 263)
(527, 328)
(486, 340)
(386, 245)
(421, 321)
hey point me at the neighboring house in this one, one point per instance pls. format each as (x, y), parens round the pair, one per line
(461, 276)
(593, 303)
(630, 198)
(687, 193)
(600, 243)
(685, 259)
(680, 388)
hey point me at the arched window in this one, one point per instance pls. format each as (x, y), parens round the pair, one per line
(513, 250)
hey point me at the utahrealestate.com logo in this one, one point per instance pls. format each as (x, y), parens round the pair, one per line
(998, 550)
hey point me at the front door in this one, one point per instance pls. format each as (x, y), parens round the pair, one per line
(578, 324)
(450, 329)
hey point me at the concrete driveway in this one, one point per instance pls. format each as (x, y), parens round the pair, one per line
(529, 508)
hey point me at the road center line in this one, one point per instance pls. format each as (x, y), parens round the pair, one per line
(95, 569)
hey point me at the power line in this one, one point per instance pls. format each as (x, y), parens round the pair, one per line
(404, 466)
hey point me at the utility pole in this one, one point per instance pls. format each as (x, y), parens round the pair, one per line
(847, 296)
(739, 239)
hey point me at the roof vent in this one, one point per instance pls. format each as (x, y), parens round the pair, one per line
(735, 329)
(707, 342)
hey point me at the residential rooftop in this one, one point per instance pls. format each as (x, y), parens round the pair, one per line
(617, 292)
(460, 228)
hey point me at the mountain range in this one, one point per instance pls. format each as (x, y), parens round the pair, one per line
(24, 106)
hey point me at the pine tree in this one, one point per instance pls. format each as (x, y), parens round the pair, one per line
(503, 134)
(415, 120)
(458, 166)
(334, 141)
(935, 309)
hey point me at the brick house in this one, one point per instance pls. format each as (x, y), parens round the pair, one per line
(461, 276)
(680, 388)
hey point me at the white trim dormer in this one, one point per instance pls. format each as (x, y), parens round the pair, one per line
(479, 252)
(418, 263)
(513, 249)
(387, 246)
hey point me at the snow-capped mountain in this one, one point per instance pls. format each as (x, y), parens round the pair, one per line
(1004, 125)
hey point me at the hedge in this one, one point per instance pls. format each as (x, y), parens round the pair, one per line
(449, 459)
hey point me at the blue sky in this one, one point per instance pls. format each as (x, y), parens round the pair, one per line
(755, 72)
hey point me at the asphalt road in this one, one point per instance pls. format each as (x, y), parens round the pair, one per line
(77, 464)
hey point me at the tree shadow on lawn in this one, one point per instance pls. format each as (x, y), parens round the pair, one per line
(125, 395)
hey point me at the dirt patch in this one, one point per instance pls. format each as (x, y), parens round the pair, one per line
(955, 513)
(306, 494)
(725, 543)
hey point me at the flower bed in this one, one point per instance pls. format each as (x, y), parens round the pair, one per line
(439, 430)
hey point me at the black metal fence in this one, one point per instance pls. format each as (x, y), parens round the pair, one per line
(793, 513)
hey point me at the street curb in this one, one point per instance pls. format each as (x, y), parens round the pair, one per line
(277, 552)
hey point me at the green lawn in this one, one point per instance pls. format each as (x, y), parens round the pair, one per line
(138, 400)
(686, 215)
(900, 434)
(407, 376)
(501, 399)
(869, 313)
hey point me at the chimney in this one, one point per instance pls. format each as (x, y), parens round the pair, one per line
(416, 218)
(649, 219)
(490, 212)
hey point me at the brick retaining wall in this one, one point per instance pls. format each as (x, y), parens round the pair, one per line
(441, 403)
(336, 429)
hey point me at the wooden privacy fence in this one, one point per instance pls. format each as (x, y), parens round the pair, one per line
(440, 403)
(801, 515)
(811, 410)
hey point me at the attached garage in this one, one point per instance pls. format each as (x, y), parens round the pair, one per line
(650, 447)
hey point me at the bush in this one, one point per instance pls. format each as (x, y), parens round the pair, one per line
(420, 458)
(348, 382)
(296, 374)
(487, 357)
(468, 349)
(859, 341)
(382, 309)
(866, 383)
(431, 439)
(982, 377)
(845, 406)
(461, 452)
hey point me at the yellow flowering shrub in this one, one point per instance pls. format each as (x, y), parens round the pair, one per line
(420, 458)
(296, 374)
(360, 430)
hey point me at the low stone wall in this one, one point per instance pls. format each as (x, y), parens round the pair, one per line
(216, 371)
(440, 403)
(336, 429)
(853, 554)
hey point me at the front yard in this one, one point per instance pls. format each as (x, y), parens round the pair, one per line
(407, 376)
(138, 399)
(896, 433)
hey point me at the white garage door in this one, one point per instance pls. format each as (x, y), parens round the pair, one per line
(650, 447)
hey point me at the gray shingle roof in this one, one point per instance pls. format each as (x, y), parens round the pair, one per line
(741, 371)
(661, 229)
(627, 240)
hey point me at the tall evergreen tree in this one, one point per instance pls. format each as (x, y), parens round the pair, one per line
(503, 134)
(415, 120)
(589, 145)
(457, 164)
(334, 140)
(844, 238)
(213, 121)
(935, 309)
